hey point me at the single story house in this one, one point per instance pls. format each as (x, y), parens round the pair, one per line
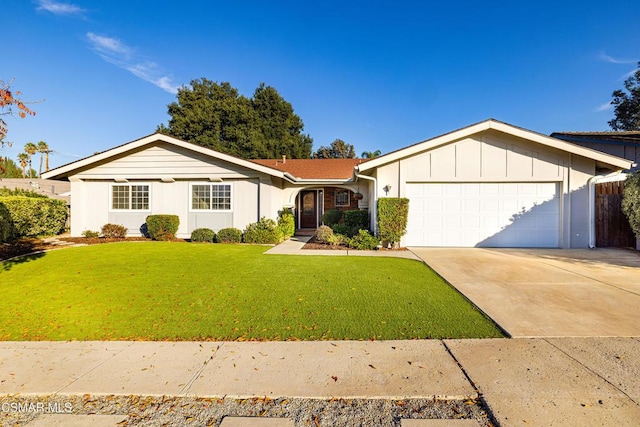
(625, 144)
(489, 184)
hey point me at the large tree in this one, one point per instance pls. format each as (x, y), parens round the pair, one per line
(337, 150)
(215, 115)
(627, 104)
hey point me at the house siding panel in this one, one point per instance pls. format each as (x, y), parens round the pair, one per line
(167, 161)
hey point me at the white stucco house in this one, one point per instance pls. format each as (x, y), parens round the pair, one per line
(489, 184)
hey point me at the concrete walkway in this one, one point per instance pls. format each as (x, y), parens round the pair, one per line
(578, 381)
(547, 292)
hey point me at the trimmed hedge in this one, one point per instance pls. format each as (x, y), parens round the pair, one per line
(162, 227)
(265, 231)
(331, 217)
(287, 223)
(203, 235)
(7, 230)
(114, 231)
(392, 219)
(33, 216)
(229, 235)
(357, 219)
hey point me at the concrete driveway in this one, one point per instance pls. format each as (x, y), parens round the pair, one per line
(547, 292)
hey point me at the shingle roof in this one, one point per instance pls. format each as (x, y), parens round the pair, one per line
(313, 168)
(623, 136)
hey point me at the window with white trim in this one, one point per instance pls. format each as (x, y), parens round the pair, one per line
(342, 198)
(211, 197)
(130, 197)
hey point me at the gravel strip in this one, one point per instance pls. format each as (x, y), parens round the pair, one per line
(191, 411)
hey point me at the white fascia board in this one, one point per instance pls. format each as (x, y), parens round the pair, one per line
(559, 144)
(105, 155)
(501, 127)
(423, 146)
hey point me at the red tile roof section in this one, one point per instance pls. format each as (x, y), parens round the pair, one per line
(314, 168)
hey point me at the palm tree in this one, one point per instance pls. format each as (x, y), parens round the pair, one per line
(23, 158)
(30, 149)
(43, 148)
(371, 154)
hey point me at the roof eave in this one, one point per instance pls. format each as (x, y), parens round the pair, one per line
(67, 170)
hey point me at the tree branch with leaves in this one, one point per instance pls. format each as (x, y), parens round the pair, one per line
(11, 104)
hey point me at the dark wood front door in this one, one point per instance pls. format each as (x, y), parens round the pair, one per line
(308, 210)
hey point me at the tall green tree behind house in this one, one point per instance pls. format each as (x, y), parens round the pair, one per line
(215, 115)
(337, 150)
(627, 104)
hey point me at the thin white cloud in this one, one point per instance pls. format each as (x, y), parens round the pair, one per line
(108, 46)
(118, 53)
(610, 59)
(59, 8)
(604, 107)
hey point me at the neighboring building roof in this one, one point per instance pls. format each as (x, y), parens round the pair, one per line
(313, 168)
(617, 138)
(49, 187)
(600, 157)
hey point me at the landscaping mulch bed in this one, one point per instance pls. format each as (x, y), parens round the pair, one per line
(313, 243)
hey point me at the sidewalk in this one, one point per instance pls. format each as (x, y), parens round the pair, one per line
(564, 381)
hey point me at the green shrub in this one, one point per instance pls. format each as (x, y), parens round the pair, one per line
(5, 192)
(162, 227)
(631, 201)
(331, 217)
(363, 241)
(229, 235)
(7, 230)
(287, 223)
(343, 229)
(265, 231)
(323, 233)
(90, 234)
(203, 235)
(392, 219)
(336, 239)
(36, 216)
(357, 219)
(114, 231)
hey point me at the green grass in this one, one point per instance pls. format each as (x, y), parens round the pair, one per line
(187, 291)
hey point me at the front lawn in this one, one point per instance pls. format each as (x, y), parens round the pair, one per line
(188, 291)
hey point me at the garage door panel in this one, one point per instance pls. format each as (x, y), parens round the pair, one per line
(483, 214)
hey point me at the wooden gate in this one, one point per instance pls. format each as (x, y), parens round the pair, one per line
(612, 226)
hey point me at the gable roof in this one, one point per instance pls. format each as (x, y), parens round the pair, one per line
(341, 169)
(600, 157)
(71, 168)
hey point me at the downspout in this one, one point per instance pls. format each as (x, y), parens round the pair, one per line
(374, 210)
(592, 204)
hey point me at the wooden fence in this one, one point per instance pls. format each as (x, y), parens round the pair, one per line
(612, 226)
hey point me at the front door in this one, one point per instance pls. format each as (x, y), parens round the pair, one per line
(308, 211)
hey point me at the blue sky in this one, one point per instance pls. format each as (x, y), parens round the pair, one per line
(377, 74)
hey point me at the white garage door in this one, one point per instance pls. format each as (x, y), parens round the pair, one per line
(483, 215)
